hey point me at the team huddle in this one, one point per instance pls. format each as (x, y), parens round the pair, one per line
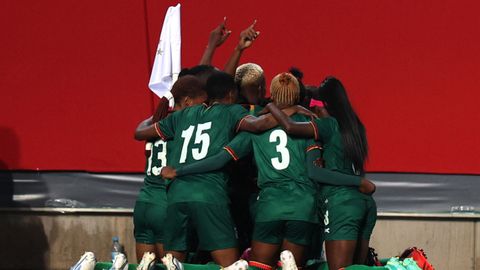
(228, 169)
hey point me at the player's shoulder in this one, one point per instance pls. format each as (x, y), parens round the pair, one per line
(327, 124)
(329, 120)
(189, 113)
(233, 108)
(301, 118)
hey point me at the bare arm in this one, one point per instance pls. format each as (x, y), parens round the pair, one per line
(303, 129)
(146, 130)
(247, 37)
(257, 124)
(264, 122)
(217, 38)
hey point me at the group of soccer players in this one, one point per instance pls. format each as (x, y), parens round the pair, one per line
(288, 177)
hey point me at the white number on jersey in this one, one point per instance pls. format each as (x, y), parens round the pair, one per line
(161, 156)
(201, 137)
(326, 221)
(284, 160)
(186, 135)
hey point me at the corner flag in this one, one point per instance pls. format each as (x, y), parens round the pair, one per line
(166, 65)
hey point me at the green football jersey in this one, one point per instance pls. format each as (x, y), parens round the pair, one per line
(281, 158)
(286, 192)
(153, 190)
(199, 132)
(327, 131)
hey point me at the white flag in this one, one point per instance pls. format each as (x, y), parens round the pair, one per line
(166, 66)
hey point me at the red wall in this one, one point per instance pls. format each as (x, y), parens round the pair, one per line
(74, 74)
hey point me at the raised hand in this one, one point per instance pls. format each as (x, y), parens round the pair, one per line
(247, 36)
(219, 34)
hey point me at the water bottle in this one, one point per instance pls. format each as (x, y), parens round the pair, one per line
(116, 247)
(463, 209)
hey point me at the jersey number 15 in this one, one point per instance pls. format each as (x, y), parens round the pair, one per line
(200, 138)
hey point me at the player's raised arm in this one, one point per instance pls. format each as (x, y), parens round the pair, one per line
(217, 38)
(247, 37)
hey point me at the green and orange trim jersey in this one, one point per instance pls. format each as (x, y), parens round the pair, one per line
(328, 133)
(154, 186)
(240, 146)
(199, 132)
(286, 192)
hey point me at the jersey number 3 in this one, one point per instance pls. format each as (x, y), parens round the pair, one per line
(200, 138)
(281, 137)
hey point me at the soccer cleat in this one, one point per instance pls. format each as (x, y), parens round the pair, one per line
(238, 265)
(288, 261)
(171, 263)
(410, 264)
(147, 262)
(419, 256)
(86, 262)
(120, 262)
(394, 264)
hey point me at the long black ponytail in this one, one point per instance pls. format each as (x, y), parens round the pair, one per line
(354, 137)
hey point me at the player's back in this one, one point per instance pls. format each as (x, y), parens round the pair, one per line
(286, 192)
(153, 182)
(200, 132)
(281, 158)
(335, 159)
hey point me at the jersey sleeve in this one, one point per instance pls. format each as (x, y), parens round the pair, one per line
(311, 145)
(165, 128)
(324, 128)
(213, 163)
(240, 146)
(237, 113)
(325, 176)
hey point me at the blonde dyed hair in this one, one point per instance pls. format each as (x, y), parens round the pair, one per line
(249, 73)
(285, 89)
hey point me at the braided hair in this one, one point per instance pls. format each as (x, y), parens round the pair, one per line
(284, 89)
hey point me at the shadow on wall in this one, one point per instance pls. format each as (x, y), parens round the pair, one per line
(23, 236)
